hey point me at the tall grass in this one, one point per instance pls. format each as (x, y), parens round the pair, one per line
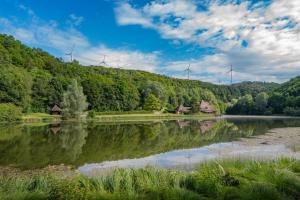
(238, 179)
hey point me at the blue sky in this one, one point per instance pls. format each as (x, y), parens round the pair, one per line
(259, 38)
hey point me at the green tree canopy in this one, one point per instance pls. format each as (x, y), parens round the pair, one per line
(152, 103)
(261, 102)
(15, 86)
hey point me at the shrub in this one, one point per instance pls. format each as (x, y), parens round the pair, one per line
(9, 112)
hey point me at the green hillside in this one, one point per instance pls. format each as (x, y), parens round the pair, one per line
(34, 80)
(286, 98)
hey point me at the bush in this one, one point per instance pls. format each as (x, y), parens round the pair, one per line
(9, 112)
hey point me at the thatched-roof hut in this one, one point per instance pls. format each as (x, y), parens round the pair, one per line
(181, 109)
(56, 110)
(206, 107)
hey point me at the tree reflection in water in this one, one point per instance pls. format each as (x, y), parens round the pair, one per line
(28, 146)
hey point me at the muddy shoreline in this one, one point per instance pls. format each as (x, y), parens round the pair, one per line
(290, 137)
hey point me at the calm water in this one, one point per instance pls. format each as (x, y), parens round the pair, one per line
(90, 145)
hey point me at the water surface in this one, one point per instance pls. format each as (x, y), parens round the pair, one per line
(90, 145)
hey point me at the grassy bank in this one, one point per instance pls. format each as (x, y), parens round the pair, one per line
(225, 180)
(40, 117)
(113, 117)
(147, 117)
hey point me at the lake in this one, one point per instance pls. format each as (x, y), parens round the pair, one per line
(170, 144)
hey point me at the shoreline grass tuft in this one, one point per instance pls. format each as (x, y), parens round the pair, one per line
(231, 179)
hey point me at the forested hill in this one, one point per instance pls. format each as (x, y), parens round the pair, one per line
(286, 98)
(34, 80)
(255, 88)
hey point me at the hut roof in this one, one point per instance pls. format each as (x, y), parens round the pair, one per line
(181, 108)
(56, 108)
(206, 107)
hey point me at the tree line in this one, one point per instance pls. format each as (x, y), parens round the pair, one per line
(283, 100)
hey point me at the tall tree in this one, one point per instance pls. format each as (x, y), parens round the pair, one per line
(195, 105)
(261, 102)
(152, 103)
(74, 101)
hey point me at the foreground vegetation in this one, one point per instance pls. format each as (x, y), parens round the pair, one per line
(225, 180)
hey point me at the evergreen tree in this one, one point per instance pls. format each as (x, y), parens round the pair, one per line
(74, 101)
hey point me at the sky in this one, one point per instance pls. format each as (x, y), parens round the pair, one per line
(259, 38)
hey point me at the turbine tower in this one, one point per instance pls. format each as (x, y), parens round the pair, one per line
(230, 71)
(71, 53)
(103, 62)
(188, 70)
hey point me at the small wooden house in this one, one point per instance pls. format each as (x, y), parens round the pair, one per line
(181, 109)
(206, 107)
(55, 110)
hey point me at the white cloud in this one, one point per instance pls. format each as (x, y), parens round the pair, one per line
(44, 34)
(126, 15)
(271, 33)
(75, 20)
(120, 58)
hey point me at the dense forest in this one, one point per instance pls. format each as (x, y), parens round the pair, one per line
(282, 100)
(34, 81)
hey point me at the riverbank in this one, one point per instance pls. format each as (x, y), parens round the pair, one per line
(231, 179)
(43, 117)
(148, 117)
(138, 117)
(40, 117)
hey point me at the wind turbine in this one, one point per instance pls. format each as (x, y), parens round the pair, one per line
(71, 53)
(230, 71)
(103, 62)
(188, 70)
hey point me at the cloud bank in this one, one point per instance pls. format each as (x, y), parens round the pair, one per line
(261, 40)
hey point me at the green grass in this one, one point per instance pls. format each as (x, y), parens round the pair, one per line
(40, 117)
(113, 117)
(146, 117)
(239, 179)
